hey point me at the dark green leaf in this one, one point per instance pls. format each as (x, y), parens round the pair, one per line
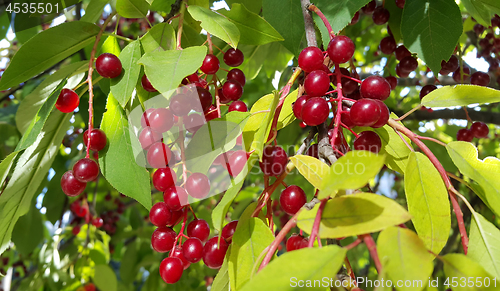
(216, 24)
(94, 10)
(129, 262)
(132, 8)
(394, 19)
(28, 232)
(123, 86)
(105, 278)
(479, 11)
(51, 46)
(253, 5)
(431, 28)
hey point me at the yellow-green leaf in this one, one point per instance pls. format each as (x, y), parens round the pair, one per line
(461, 95)
(311, 168)
(216, 24)
(459, 269)
(404, 257)
(484, 244)
(354, 214)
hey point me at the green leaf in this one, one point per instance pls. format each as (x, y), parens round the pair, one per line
(132, 8)
(311, 168)
(286, 17)
(111, 45)
(97, 257)
(253, 28)
(484, 244)
(28, 232)
(428, 202)
(51, 46)
(338, 13)
(117, 161)
(394, 19)
(31, 103)
(216, 24)
(249, 240)
(212, 139)
(461, 95)
(160, 37)
(31, 169)
(161, 5)
(404, 256)
(128, 266)
(478, 10)
(6, 165)
(306, 264)
(252, 5)
(94, 10)
(486, 172)
(41, 117)
(394, 148)
(352, 171)
(123, 86)
(259, 125)
(286, 115)
(459, 268)
(434, 36)
(221, 281)
(105, 278)
(166, 69)
(354, 215)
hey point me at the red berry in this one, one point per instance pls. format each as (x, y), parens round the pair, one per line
(311, 59)
(408, 64)
(177, 253)
(295, 242)
(465, 134)
(211, 113)
(238, 106)
(160, 214)
(147, 137)
(238, 75)
(341, 49)
(393, 81)
(387, 45)
(375, 87)
(478, 29)
(192, 250)
(145, 117)
(228, 231)
(401, 52)
(176, 218)
(345, 118)
(355, 18)
(161, 120)
(171, 270)
(97, 222)
(480, 129)
(368, 141)
(313, 151)
(214, 253)
(400, 3)
(86, 170)
(274, 161)
(480, 79)
(67, 101)
(292, 199)
(380, 15)
(210, 64)
(384, 115)
(370, 7)
(180, 105)
(76, 230)
(237, 162)
(81, 211)
(193, 122)
(232, 90)
(198, 228)
(316, 83)
(158, 155)
(205, 100)
(297, 106)
(365, 112)
(164, 178)
(450, 66)
(400, 73)
(108, 65)
(233, 57)
(198, 185)
(146, 84)
(97, 139)
(175, 198)
(163, 239)
(315, 111)
(465, 75)
(426, 90)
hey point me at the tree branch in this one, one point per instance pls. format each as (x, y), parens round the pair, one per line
(484, 116)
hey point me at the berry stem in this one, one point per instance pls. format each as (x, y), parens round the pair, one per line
(181, 21)
(353, 244)
(317, 221)
(348, 128)
(408, 113)
(316, 10)
(210, 44)
(89, 79)
(350, 272)
(451, 190)
(181, 232)
(372, 248)
(432, 139)
(268, 191)
(182, 148)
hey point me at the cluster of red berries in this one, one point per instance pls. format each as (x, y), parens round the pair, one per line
(80, 209)
(477, 130)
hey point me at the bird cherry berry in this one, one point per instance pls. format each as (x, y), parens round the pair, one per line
(237, 162)
(163, 239)
(211, 113)
(147, 137)
(400, 3)
(192, 250)
(160, 214)
(180, 105)
(365, 112)
(380, 15)
(375, 87)
(70, 185)
(86, 170)
(158, 155)
(175, 198)
(393, 81)
(341, 49)
(97, 139)
(198, 185)
(297, 106)
(232, 90)
(238, 75)
(450, 66)
(205, 99)
(67, 101)
(161, 120)
(368, 141)
(233, 57)
(76, 230)
(97, 222)
(198, 228)
(214, 253)
(311, 59)
(274, 160)
(210, 64)
(164, 178)
(171, 269)
(177, 253)
(465, 75)
(238, 106)
(108, 65)
(146, 84)
(408, 64)
(193, 122)
(313, 151)
(480, 129)
(387, 45)
(315, 111)
(296, 242)
(426, 90)
(384, 115)
(401, 52)
(292, 198)
(480, 79)
(228, 231)
(370, 7)
(176, 218)
(465, 134)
